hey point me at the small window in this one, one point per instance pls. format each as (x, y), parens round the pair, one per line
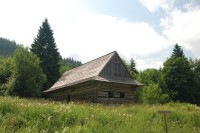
(122, 95)
(110, 94)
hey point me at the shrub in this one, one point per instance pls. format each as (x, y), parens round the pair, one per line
(153, 94)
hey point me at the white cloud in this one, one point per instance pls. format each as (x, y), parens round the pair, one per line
(21, 19)
(183, 27)
(83, 35)
(92, 35)
(180, 23)
(154, 5)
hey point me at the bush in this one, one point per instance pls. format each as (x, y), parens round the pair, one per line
(27, 76)
(152, 94)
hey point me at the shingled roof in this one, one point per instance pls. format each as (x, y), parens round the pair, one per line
(90, 71)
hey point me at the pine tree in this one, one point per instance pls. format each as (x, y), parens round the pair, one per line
(177, 51)
(178, 76)
(44, 47)
(133, 66)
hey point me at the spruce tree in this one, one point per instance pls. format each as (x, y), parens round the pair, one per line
(178, 76)
(44, 47)
(177, 51)
(133, 66)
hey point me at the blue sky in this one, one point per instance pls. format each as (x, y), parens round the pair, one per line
(131, 10)
(86, 29)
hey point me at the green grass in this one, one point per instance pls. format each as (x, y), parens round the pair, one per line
(32, 115)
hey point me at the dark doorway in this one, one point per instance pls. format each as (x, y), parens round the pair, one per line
(68, 98)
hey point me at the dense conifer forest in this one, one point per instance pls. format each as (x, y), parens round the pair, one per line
(7, 47)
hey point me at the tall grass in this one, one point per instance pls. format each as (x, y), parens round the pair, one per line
(32, 115)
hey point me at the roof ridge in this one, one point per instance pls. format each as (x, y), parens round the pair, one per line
(107, 62)
(98, 58)
(91, 61)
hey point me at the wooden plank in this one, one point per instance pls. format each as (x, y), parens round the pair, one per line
(96, 91)
(112, 100)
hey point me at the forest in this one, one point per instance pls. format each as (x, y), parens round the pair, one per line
(26, 72)
(7, 47)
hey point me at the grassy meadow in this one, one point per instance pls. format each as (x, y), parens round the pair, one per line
(32, 116)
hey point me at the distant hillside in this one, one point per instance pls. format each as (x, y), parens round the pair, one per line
(7, 47)
(70, 62)
(67, 64)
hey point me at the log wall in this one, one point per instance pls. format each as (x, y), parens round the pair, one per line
(94, 91)
(105, 88)
(85, 92)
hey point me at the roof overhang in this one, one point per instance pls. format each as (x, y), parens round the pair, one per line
(130, 82)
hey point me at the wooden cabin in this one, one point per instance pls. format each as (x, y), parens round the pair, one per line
(103, 80)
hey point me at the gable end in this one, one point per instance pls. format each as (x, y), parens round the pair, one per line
(115, 68)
